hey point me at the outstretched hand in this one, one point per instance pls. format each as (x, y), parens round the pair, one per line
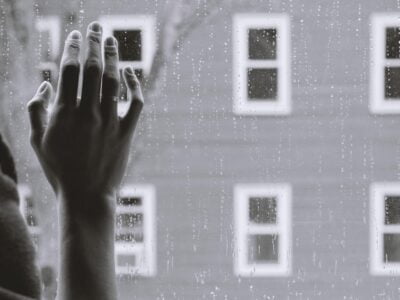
(83, 146)
(82, 143)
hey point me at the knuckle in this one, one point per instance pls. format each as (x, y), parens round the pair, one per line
(94, 38)
(93, 66)
(35, 104)
(70, 66)
(110, 77)
(33, 140)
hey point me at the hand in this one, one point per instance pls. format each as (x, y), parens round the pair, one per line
(83, 146)
(82, 143)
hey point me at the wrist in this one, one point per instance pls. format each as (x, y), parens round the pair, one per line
(83, 203)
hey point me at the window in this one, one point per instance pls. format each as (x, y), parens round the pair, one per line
(385, 229)
(262, 230)
(48, 28)
(385, 64)
(261, 64)
(28, 211)
(135, 235)
(136, 42)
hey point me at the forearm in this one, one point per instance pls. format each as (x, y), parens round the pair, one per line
(87, 268)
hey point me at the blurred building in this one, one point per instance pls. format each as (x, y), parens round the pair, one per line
(266, 163)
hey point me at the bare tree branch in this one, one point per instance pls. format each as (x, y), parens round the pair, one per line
(179, 21)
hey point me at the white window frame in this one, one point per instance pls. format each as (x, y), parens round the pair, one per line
(378, 228)
(145, 252)
(283, 228)
(52, 24)
(24, 192)
(147, 25)
(241, 104)
(377, 102)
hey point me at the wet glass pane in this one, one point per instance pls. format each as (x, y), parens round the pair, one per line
(262, 84)
(129, 44)
(129, 220)
(392, 79)
(129, 201)
(45, 46)
(263, 248)
(262, 210)
(262, 43)
(393, 42)
(392, 210)
(126, 260)
(391, 247)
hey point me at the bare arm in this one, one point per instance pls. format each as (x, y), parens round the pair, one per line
(83, 147)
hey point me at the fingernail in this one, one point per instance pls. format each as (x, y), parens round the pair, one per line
(75, 35)
(110, 41)
(129, 71)
(42, 88)
(95, 26)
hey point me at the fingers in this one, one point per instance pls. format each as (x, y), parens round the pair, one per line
(111, 80)
(6, 161)
(69, 70)
(38, 113)
(92, 69)
(128, 123)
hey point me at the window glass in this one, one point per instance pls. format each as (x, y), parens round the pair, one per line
(392, 78)
(391, 244)
(129, 44)
(262, 84)
(262, 43)
(393, 42)
(262, 209)
(263, 248)
(392, 210)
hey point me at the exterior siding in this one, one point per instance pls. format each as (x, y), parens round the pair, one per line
(194, 150)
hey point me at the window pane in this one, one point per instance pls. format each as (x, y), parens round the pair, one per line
(129, 201)
(126, 260)
(392, 79)
(46, 75)
(262, 210)
(29, 202)
(129, 44)
(31, 219)
(262, 43)
(391, 247)
(393, 42)
(263, 248)
(392, 210)
(129, 220)
(262, 84)
(136, 236)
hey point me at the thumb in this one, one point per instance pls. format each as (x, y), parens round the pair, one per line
(38, 113)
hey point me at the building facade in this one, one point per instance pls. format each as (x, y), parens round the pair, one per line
(266, 162)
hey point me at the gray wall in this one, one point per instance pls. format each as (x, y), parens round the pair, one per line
(194, 150)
